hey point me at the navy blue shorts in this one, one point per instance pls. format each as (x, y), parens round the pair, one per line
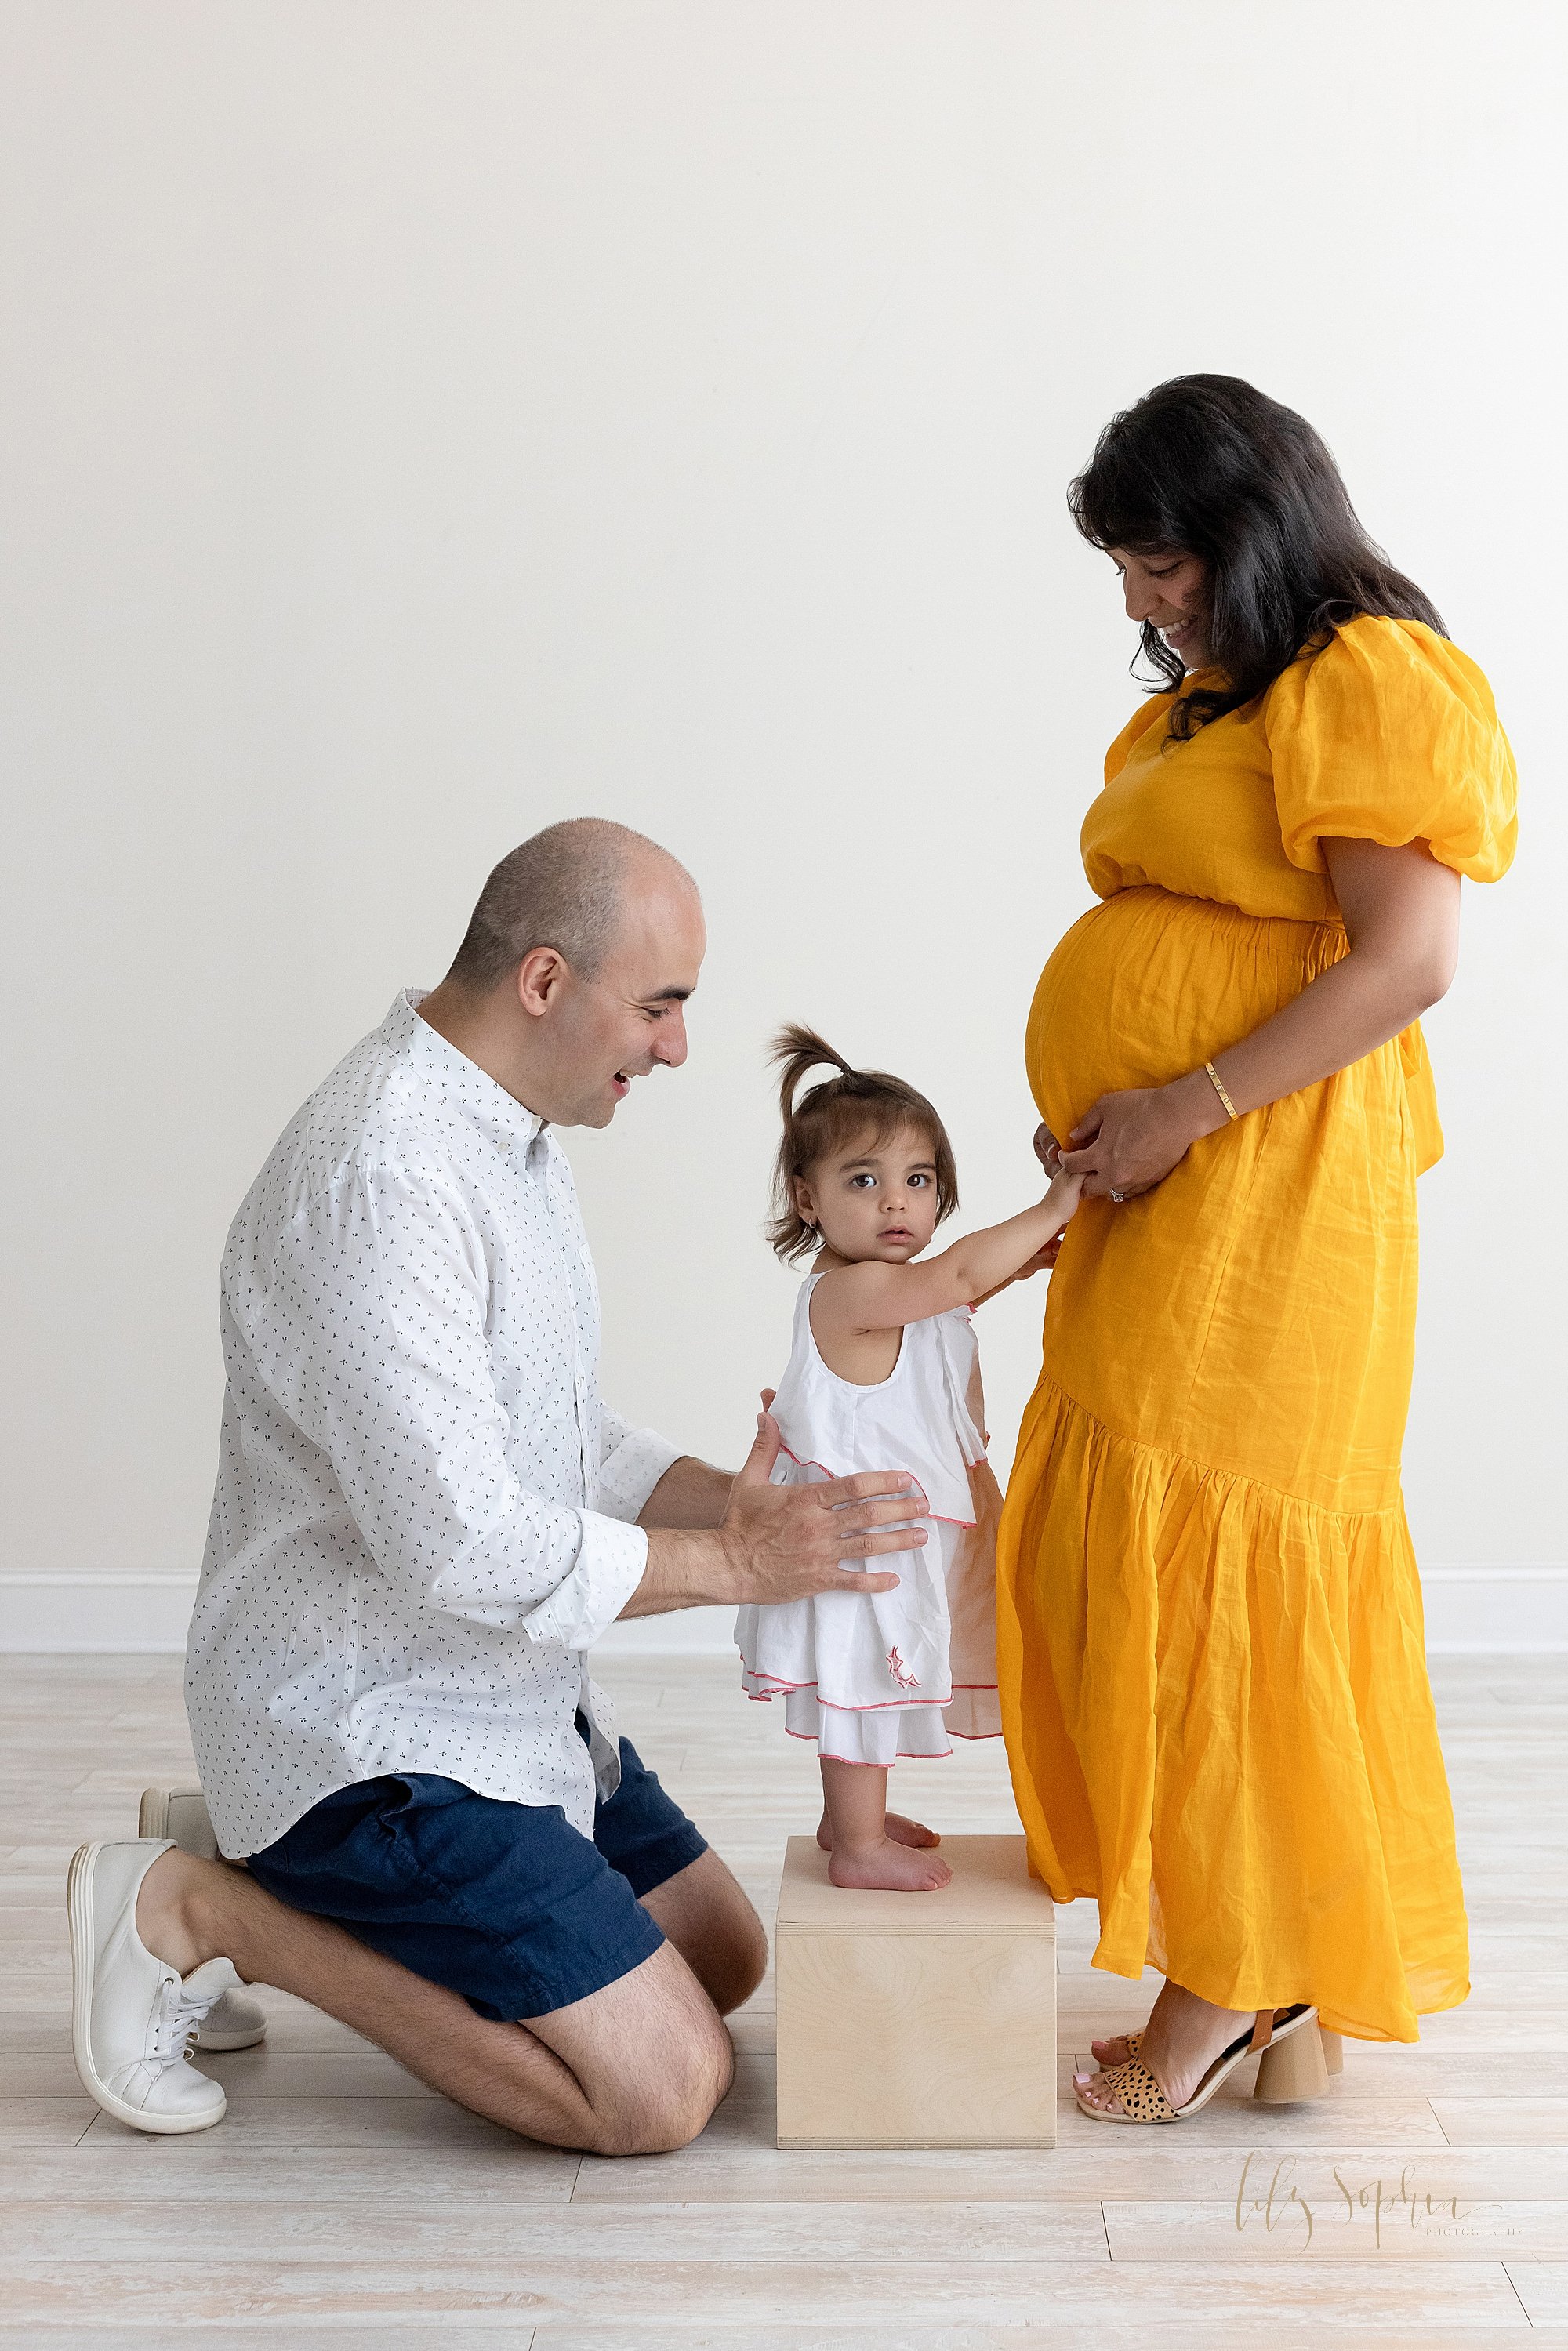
(506, 1904)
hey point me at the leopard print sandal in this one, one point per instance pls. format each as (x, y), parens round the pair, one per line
(1139, 2094)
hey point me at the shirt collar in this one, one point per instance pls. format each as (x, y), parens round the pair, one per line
(462, 1081)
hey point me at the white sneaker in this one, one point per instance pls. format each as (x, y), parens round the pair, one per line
(237, 2022)
(130, 2014)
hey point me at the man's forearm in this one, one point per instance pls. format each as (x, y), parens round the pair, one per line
(687, 1568)
(691, 1494)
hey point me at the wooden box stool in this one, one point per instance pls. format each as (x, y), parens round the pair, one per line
(917, 2019)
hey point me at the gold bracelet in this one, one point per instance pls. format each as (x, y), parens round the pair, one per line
(1213, 1074)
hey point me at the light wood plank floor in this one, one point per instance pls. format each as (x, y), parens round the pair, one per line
(1424, 2203)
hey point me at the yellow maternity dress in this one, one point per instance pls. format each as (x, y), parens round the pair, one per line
(1209, 1634)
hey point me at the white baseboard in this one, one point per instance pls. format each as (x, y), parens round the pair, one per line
(1495, 1611)
(121, 1615)
(1471, 1611)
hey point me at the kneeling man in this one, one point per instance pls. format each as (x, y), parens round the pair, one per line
(424, 1520)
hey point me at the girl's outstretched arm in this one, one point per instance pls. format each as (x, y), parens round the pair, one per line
(885, 1296)
(1041, 1262)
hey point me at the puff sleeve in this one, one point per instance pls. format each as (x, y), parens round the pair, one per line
(1391, 733)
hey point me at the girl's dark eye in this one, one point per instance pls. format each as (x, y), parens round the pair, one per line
(920, 1179)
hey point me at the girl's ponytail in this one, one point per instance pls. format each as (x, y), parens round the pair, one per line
(796, 1050)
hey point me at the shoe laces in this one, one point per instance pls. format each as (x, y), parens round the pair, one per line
(179, 2011)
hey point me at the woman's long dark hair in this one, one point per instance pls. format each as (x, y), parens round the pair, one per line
(1207, 465)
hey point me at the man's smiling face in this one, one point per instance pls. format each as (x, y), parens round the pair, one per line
(629, 1018)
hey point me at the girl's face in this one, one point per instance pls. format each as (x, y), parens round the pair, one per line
(1168, 591)
(877, 1201)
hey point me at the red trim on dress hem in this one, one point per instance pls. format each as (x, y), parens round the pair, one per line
(886, 1705)
(882, 1706)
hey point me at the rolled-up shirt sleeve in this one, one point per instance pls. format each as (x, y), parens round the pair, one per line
(632, 1461)
(386, 1274)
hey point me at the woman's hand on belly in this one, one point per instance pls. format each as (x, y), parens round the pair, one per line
(1127, 1142)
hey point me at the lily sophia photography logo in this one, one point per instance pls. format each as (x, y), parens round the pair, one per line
(1400, 2212)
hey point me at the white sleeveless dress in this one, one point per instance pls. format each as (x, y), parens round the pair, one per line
(872, 1675)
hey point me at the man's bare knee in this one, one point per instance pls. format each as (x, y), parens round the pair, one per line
(668, 2103)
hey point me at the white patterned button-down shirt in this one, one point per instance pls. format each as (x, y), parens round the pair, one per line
(422, 1515)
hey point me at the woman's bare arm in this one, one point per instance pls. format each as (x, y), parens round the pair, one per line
(1401, 911)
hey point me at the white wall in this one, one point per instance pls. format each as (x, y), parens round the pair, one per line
(423, 422)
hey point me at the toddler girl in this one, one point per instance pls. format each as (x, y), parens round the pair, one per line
(884, 1374)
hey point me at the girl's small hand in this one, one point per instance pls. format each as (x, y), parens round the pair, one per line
(1041, 1261)
(1127, 1142)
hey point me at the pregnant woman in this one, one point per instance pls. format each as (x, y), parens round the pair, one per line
(1210, 1628)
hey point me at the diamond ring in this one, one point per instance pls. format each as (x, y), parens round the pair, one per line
(1118, 1195)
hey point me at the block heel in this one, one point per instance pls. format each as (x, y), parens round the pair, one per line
(1292, 2067)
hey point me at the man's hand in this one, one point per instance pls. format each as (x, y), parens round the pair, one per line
(786, 1542)
(782, 1542)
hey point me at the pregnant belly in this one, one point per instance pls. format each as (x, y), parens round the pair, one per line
(1149, 985)
(1254, 1312)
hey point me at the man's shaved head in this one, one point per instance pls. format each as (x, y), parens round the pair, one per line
(572, 980)
(562, 889)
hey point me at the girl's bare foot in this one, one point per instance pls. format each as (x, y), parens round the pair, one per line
(867, 1845)
(902, 1832)
(1181, 2040)
(899, 1868)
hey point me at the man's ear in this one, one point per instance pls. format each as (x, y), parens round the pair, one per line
(539, 977)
